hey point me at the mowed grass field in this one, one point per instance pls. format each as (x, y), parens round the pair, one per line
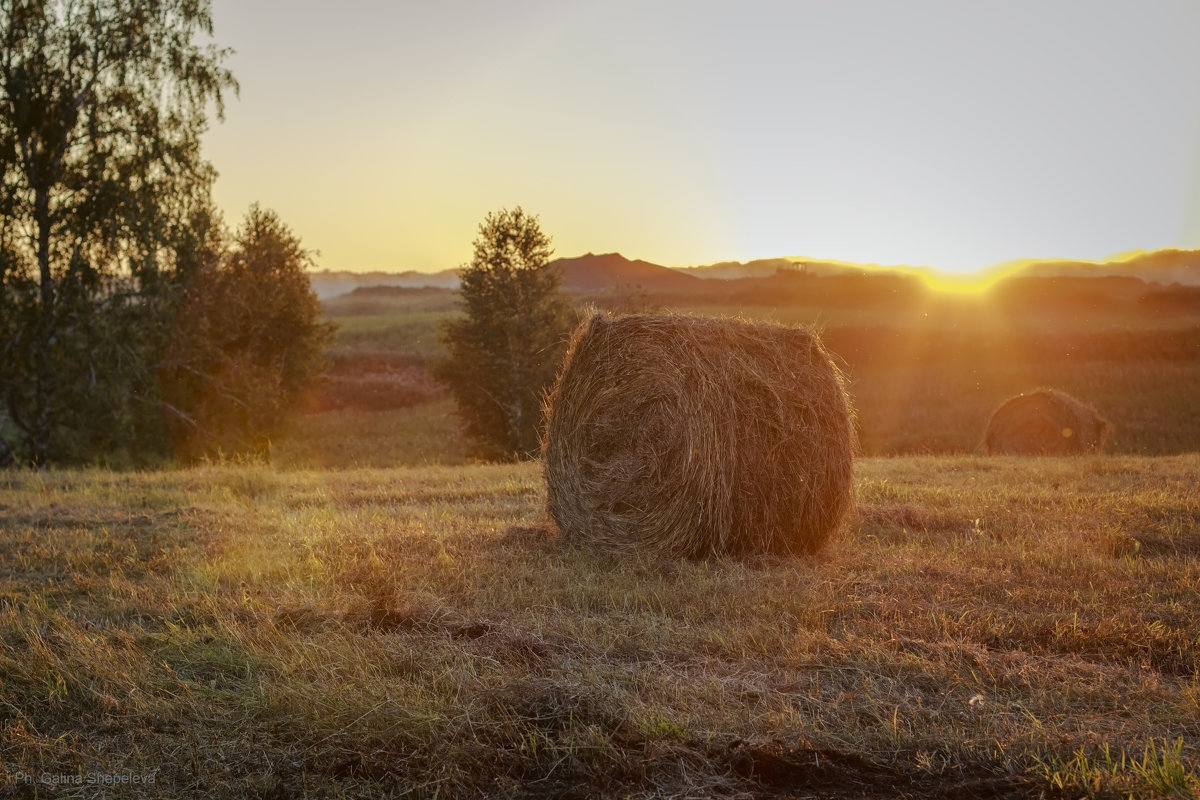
(983, 627)
(375, 614)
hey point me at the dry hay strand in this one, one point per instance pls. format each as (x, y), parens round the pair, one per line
(691, 437)
(1044, 422)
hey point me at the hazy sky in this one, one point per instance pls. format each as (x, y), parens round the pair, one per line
(947, 134)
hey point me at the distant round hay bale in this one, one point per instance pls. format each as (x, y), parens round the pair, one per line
(690, 437)
(1044, 422)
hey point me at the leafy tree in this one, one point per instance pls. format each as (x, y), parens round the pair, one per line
(504, 353)
(102, 186)
(248, 341)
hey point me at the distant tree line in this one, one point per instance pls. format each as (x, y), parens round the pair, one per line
(133, 325)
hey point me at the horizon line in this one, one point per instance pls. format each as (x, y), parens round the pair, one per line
(997, 269)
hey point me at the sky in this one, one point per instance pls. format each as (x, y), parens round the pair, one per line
(952, 135)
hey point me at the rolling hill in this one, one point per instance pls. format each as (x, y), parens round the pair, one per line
(591, 272)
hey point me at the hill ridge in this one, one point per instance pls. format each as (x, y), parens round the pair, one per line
(595, 272)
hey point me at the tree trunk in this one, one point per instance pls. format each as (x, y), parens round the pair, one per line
(39, 433)
(6, 456)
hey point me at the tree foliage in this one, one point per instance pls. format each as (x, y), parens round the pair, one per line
(248, 340)
(503, 354)
(104, 198)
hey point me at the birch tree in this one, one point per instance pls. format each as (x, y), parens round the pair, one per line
(102, 106)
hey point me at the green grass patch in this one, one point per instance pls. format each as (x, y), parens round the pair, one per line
(423, 434)
(414, 333)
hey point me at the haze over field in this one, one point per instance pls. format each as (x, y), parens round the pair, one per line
(948, 135)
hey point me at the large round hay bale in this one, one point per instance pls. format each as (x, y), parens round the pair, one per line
(1044, 422)
(690, 437)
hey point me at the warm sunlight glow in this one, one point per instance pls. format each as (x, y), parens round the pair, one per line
(690, 138)
(965, 283)
(954, 283)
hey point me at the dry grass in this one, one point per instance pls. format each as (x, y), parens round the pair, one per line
(987, 627)
(692, 436)
(424, 434)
